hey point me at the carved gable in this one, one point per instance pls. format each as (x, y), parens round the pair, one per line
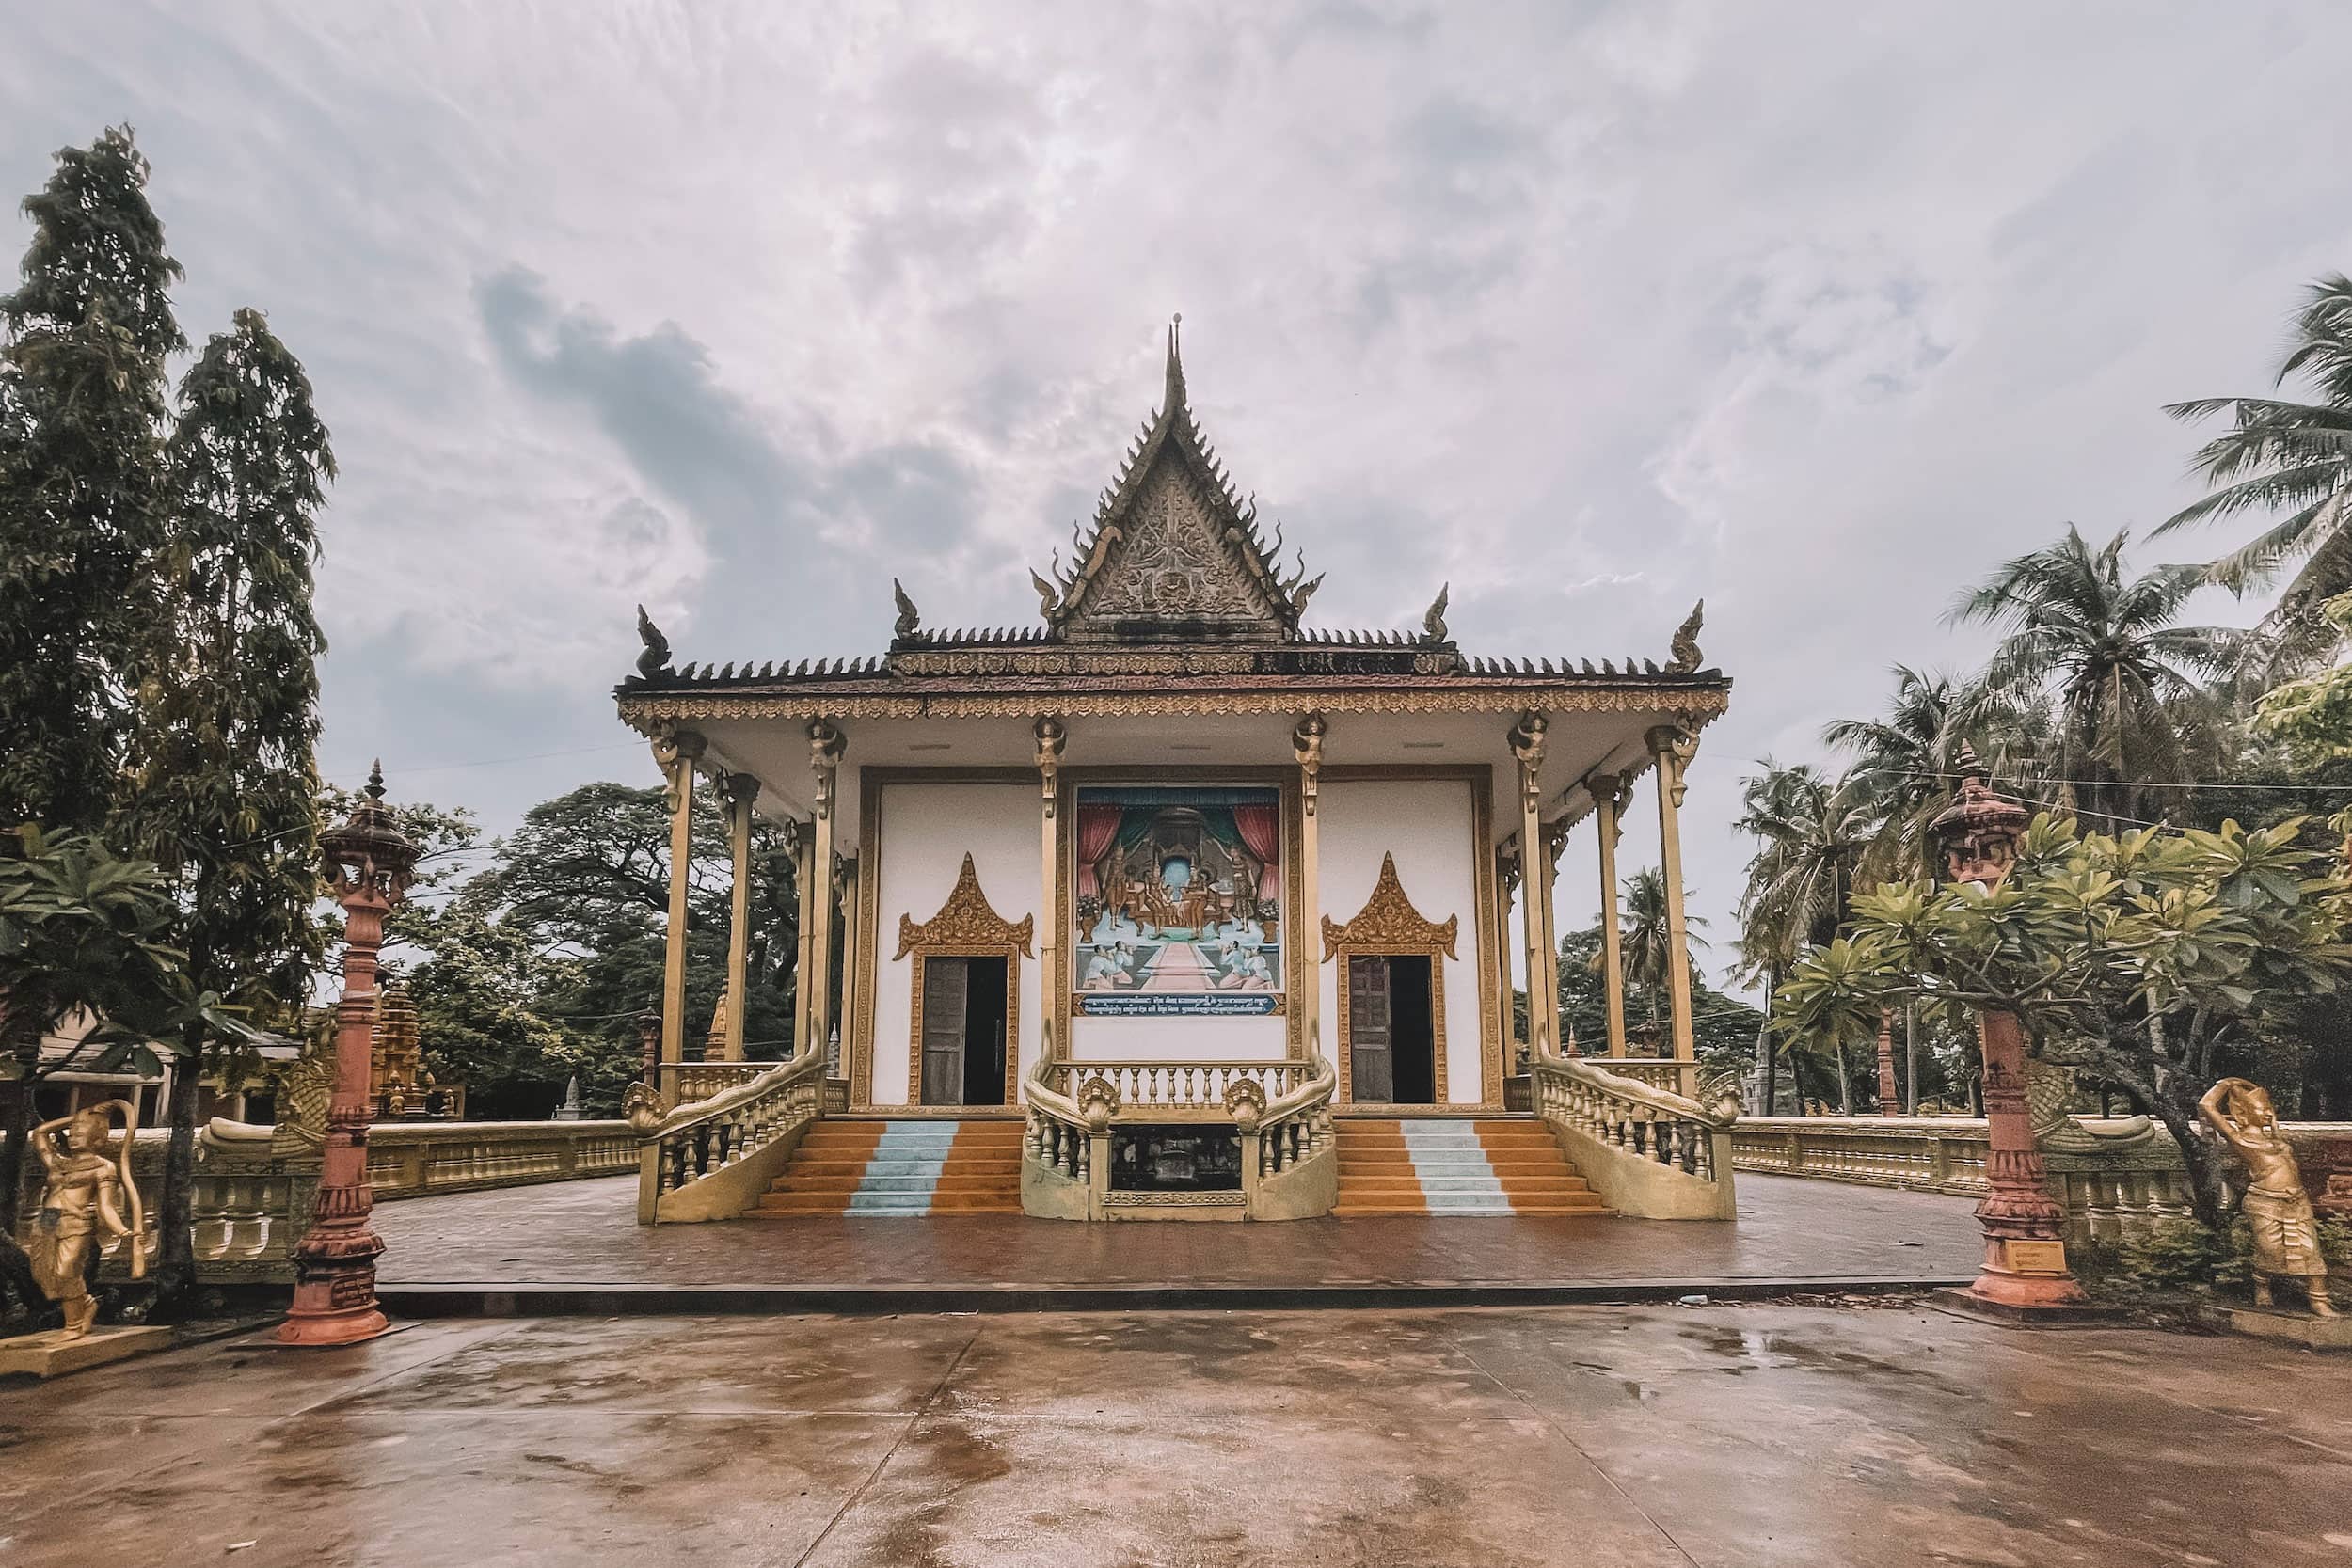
(1172, 564)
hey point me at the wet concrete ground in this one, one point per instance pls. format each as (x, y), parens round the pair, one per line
(1731, 1434)
(586, 1233)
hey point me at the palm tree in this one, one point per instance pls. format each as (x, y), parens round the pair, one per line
(2290, 457)
(1646, 946)
(2129, 684)
(1812, 836)
(1904, 760)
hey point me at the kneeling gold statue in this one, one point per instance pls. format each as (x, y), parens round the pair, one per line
(2277, 1209)
(86, 1193)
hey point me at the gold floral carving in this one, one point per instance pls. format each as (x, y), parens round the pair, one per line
(1387, 922)
(1279, 695)
(1390, 926)
(965, 919)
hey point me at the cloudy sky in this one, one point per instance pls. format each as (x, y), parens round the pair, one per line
(1814, 310)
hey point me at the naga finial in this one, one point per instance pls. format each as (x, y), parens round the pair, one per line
(1048, 596)
(910, 622)
(655, 661)
(1432, 624)
(1686, 642)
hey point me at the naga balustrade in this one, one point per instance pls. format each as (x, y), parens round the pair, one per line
(1279, 1111)
(1650, 1153)
(728, 1145)
(1142, 1086)
(1660, 1072)
(683, 1082)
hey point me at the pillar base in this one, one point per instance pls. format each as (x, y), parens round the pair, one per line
(2008, 1313)
(349, 1325)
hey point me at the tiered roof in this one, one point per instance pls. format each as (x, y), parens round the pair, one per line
(1171, 588)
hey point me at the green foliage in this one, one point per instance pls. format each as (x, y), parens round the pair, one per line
(2292, 461)
(2174, 1255)
(2157, 962)
(84, 930)
(85, 503)
(2310, 719)
(227, 790)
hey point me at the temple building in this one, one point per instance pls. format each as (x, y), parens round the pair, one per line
(1172, 881)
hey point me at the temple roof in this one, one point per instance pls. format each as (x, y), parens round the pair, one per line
(1173, 589)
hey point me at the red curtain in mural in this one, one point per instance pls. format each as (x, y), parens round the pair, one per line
(1097, 826)
(1260, 834)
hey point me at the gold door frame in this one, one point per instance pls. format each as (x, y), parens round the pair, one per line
(1390, 927)
(966, 927)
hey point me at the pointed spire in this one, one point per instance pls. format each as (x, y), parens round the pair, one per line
(1173, 400)
(376, 779)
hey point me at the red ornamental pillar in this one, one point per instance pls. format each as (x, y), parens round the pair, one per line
(368, 860)
(1890, 1100)
(2024, 1227)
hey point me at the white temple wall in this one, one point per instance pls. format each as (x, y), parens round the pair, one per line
(1426, 825)
(925, 830)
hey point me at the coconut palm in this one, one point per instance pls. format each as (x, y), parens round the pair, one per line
(2128, 682)
(1904, 760)
(1644, 939)
(2294, 458)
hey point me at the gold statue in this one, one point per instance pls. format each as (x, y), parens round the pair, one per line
(86, 1192)
(2277, 1209)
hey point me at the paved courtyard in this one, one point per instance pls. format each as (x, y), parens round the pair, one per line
(585, 1233)
(1733, 1435)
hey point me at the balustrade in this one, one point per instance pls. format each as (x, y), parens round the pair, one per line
(701, 1138)
(1152, 1085)
(1625, 1113)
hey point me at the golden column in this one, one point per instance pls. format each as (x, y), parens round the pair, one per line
(677, 752)
(742, 790)
(853, 1015)
(805, 926)
(1506, 887)
(1555, 840)
(1543, 1015)
(1672, 747)
(1304, 940)
(1051, 989)
(824, 758)
(1609, 792)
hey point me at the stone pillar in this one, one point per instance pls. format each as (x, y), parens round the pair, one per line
(853, 1018)
(1050, 987)
(1608, 791)
(807, 907)
(1672, 747)
(1543, 1013)
(742, 790)
(1305, 943)
(368, 862)
(824, 760)
(677, 752)
(2024, 1227)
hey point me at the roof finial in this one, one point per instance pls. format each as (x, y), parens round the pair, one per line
(1174, 400)
(376, 779)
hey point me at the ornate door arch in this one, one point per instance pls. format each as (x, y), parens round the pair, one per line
(966, 927)
(1390, 927)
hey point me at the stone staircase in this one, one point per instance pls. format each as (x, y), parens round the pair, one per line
(1433, 1166)
(878, 1167)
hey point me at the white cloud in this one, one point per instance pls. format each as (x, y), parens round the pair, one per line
(1812, 311)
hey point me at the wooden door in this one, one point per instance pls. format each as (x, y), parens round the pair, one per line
(1372, 1067)
(946, 994)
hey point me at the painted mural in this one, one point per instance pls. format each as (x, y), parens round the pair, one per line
(1179, 900)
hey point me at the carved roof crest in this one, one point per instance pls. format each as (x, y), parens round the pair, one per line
(965, 919)
(1388, 920)
(1174, 551)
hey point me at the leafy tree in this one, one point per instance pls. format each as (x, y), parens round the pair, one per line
(2155, 964)
(2129, 682)
(586, 877)
(2294, 458)
(2310, 719)
(82, 935)
(483, 997)
(226, 794)
(84, 502)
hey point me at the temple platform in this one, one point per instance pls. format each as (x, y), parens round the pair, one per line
(576, 1248)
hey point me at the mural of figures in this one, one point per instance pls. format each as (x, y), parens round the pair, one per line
(1179, 899)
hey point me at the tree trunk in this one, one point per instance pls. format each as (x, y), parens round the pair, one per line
(175, 1272)
(16, 1109)
(1772, 1080)
(1845, 1084)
